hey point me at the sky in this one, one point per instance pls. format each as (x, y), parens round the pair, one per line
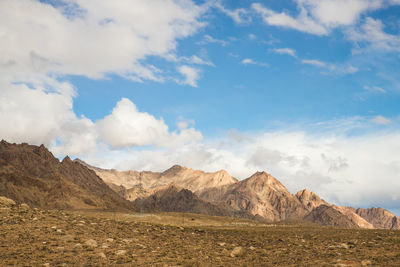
(306, 90)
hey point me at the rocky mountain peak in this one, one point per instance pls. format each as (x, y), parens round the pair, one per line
(310, 200)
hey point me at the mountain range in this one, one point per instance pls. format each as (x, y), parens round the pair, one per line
(31, 174)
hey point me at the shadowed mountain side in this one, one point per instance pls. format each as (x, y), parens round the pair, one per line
(329, 216)
(175, 199)
(31, 174)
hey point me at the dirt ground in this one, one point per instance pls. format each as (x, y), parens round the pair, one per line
(32, 237)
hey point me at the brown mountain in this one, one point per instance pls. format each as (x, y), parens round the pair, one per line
(310, 200)
(261, 194)
(329, 216)
(194, 180)
(380, 218)
(31, 174)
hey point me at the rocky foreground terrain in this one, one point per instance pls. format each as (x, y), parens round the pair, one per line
(37, 237)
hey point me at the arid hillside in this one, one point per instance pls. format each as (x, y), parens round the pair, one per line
(31, 174)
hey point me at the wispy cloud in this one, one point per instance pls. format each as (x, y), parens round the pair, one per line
(374, 89)
(208, 39)
(249, 61)
(287, 51)
(381, 120)
(239, 15)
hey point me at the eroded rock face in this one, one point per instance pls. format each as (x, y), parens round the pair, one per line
(380, 218)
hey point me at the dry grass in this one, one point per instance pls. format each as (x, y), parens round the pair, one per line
(36, 237)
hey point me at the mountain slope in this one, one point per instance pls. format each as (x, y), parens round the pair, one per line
(261, 194)
(31, 174)
(380, 218)
(329, 216)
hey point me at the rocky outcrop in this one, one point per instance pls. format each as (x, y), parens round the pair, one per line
(31, 174)
(380, 218)
(309, 199)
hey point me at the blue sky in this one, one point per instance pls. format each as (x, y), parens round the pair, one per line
(307, 90)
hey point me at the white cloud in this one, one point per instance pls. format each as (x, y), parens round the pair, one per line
(239, 15)
(249, 61)
(37, 37)
(331, 68)
(252, 36)
(287, 51)
(375, 89)
(372, 32)
(314, 62)
(319, 17)
(209, 39)
(380, 120)
(302, 23)
(191, 75)
(126, 126)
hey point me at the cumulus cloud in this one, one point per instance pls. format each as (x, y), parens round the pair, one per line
(39, 37)
(126, 126)
(44, 42)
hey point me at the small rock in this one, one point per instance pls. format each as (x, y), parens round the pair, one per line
(366, 263)
(35, 219)
(78, 245)
(102, 255)
(46, 264)
(54, 228)
(59, 231)
(67, 238)
(222, 244)
(344, 245)
(127, 240)
(121, 252)
(24, 206)
(252, 248)
(104, 245)
(91, 243)
(7, 202)
(60, 248)
(110, 240)
(238, 252)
